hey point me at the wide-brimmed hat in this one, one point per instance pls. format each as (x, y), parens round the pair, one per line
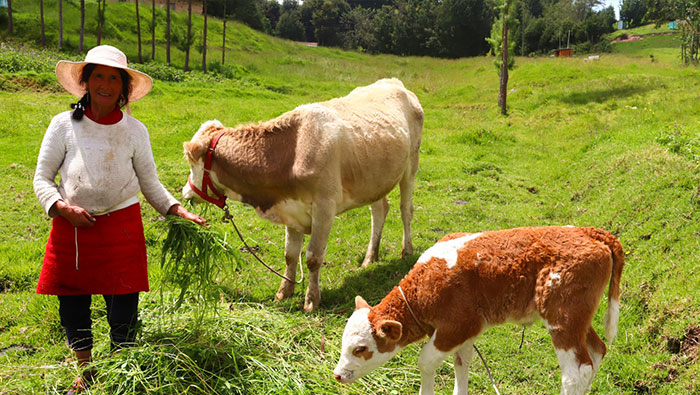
(68, 73)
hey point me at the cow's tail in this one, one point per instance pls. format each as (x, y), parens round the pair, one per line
(612, 316)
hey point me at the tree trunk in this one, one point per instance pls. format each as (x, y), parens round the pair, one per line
(204, 44)
(223, 40)
(189, 35)
(153, 30)
(60, 24)
(9, 16)
(138, 30)
(167, 32)
(503, 86)
(82, 25)
(43, 34)
(100, 19)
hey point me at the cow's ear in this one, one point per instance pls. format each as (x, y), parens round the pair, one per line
(360, 303)
(193, 151)
(390, 330)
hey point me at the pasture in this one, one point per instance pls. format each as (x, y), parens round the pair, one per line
(612, 144)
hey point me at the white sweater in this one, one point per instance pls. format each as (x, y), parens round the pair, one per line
(102, 167)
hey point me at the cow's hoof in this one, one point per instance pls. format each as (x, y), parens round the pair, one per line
(406, 252)
(367, 262)
(286, 290)
(311, 303)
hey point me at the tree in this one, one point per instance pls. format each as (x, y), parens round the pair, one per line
(138, 30)
(290, 26)
(463, 26)
(504, 50)
(204, 44)
(101, 5)
(633, 12)
(167, 31)
(82, 25)
(326, 20)
(358, 28)
(271, 10)
(188, 41)
(307, 10)
(223, 37)
(687, 12)
(60, 24)
(9, 16)
(153, 30)
(414, 28)
(43, 35)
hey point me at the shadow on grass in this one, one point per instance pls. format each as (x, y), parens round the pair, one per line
(372, 283)
(601, 95)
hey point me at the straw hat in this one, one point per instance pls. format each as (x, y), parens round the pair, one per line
(68, 73)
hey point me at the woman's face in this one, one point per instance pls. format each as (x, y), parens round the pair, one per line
(105, 87)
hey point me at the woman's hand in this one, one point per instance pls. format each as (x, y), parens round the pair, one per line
(177, 209)
(77, 216)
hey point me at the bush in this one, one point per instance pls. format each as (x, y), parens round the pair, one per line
(14, 61)
(160, 71)
(230, 71)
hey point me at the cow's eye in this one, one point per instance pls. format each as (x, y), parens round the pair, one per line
(359, 350)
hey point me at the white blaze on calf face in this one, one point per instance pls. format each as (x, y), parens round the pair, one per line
(359, 354)
(447, 250)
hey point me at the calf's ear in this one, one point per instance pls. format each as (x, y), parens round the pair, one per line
(390, 330)
(360, 303)
(193, 151)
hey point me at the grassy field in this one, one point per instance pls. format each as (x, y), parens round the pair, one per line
(612, 143)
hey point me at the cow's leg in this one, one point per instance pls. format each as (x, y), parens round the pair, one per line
(575, 362)
(379, 209)
(406, 185)
(597, 349)
(462, 359)
(429, 360)
(321, 221)
(293, 242)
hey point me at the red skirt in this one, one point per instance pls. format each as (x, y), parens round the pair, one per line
(108, 258)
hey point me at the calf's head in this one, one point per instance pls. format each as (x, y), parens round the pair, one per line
(368, 342)
(195, 153)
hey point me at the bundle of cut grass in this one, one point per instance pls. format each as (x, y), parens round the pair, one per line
(193, 259)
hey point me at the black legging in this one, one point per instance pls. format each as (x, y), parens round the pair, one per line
(122, 316)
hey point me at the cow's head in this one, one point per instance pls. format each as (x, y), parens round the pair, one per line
(195, 153)
(367, 344)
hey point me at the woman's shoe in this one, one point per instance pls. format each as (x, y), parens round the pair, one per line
(78, 387)
(82, 382)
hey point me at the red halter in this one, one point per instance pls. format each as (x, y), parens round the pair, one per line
(206, 180)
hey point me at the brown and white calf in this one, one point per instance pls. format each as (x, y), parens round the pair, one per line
(467, 283)
(306, 166)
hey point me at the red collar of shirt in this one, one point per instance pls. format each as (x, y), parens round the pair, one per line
(109, 119)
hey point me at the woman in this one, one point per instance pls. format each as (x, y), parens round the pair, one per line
(97, 244)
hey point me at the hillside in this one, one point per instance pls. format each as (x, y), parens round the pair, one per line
(649, 41)
(612, 143)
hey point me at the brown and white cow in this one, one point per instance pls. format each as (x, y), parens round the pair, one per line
(467, 283)
(316, 161)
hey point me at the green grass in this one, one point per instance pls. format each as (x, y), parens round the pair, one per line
(612, 143)
(657, 43)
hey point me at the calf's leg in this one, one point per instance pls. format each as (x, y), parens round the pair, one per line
(597, 349)
(293, 242)
(321, 222)
(406, 186)
(462, 359)
(429, 360)
(379, 209)
(576, 364)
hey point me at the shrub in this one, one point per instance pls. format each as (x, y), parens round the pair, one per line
(230, 71)
(160, 71)
(13, 61)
